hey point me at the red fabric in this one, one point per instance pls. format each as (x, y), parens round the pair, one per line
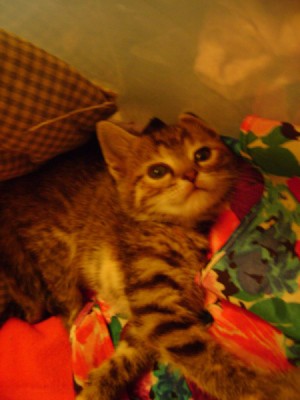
(260, 345)
(37, 367)
(294, 186)
(222, 229)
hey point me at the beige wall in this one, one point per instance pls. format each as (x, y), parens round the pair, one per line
(220, 59)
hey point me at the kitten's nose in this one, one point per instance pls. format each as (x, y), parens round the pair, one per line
(190, 175)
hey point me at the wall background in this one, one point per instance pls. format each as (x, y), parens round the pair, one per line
(222, 59)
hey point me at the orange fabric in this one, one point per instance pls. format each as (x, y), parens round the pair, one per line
(222, 229)
(38, 367)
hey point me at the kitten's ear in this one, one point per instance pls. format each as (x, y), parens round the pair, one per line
(188, 114)
(115, 144)
(190, 118)
(190, 121)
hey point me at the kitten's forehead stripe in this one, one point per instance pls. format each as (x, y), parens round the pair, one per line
(171, 137)
(176, 137)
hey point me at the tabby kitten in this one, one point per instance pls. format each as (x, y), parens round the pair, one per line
(133, 232)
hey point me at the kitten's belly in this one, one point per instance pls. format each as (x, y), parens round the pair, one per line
(102, 273)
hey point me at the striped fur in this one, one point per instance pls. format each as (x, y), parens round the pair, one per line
(132, 238)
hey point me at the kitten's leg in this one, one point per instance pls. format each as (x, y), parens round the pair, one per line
(220, 373)
(191, 349)
(43, 288)
(167, 306)
(28, 296)
(65, 301)
(65, 298)
(111, 379)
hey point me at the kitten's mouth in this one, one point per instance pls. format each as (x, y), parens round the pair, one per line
(201, 188)
(195, 191)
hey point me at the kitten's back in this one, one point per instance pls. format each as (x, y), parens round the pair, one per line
(59, 188)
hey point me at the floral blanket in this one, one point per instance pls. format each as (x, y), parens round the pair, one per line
(252, 281)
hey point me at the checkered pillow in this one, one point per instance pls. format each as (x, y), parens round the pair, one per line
(46, 107)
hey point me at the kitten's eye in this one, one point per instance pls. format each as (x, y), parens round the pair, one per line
(158, 171)
(202, 154)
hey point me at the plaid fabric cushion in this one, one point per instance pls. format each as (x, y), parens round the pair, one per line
(46, 106)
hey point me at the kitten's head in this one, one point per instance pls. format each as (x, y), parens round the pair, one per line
(181, 173)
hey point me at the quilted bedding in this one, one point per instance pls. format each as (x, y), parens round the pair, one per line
(252, 285)
(252, 280)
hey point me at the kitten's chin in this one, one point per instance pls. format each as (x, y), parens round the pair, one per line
(190, 212)
(188, 206)
(202, 204)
